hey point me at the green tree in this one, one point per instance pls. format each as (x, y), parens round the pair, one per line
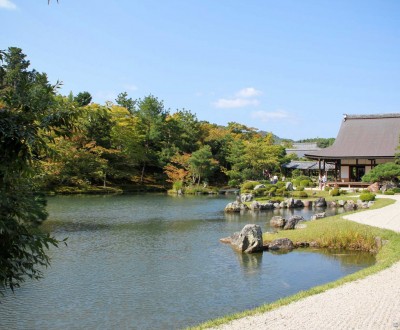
(83, 99)
(124, 101)
(30, 116)
(383, 172)
(151, 115)
(201, 164)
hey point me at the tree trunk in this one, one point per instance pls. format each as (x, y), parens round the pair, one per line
(142, 176)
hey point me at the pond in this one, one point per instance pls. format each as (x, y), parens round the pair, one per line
(155, 262)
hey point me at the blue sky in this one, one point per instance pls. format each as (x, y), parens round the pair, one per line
(289, 67)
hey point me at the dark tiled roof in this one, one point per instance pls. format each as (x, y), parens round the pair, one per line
(306, 165)
(300, 148)
(364, 136)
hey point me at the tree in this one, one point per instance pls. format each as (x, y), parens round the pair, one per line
(202, 164)
(128, 103)
(83, 99)
(30, 116)
(383, 172)
(178, 169)
(151, 115)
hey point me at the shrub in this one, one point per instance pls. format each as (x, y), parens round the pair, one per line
(300, 188)
(396, 190)
(281, 191)
(296, 173)
(233, 183)
(260, 192)
(281, 184)
(303, 194)
(177, 185)
(305, 183)
(389, 192)
(335, 192)
(367, 196)
(273, 189)
(249, 185)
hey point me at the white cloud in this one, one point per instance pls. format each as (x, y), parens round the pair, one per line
(235, 103)
(7, 4)
(248, 92)
(243, 98)
(265, 116)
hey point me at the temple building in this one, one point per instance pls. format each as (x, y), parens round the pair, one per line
(363, 142)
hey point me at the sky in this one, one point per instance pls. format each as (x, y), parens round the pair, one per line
(288, 67)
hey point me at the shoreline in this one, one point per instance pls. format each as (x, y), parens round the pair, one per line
(370, 302)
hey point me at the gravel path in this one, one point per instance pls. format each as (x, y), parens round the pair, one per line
(369, 303)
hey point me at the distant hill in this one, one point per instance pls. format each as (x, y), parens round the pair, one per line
(277, 139)
(321, 142)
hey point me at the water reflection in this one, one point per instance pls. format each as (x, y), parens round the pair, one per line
(249, 263)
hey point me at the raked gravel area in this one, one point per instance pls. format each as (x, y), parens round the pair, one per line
(370, 303)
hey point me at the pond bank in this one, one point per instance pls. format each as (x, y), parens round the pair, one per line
(367, 303)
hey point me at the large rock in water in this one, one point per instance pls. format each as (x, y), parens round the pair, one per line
(292, 222)
(246, 197)
(281, 244)
(233, 207)
(320, 202)
(249, 240)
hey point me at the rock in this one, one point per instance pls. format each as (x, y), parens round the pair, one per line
(259, 186)
(254, 206)
(363, 205)
(370, 203)
(289, 186)
(317, 216)
(374, 187)
(226, 240)
(283, 205)
(233, 207)
(266, 206)
(246, 197)
(332, 204)
(320, 202)
(292, 222)
(298, 203)
(277, 206)
(341, 202)
(350, 206)
(281, 244)
(308, 204)
(378, 242)
(249, 240)
(387, 186)
(277, 221)
(301, 244)
(290, 203)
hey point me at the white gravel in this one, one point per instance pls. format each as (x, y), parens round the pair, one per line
(369, 303)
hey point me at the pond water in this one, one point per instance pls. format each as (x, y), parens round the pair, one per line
(155, 262)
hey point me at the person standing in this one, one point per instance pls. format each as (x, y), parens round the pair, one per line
(324, 181)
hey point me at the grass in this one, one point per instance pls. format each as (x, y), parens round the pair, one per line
(331, 232)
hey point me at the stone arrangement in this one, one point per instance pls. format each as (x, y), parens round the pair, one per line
(240, 204)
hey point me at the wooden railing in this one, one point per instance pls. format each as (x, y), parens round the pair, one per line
(348, 184)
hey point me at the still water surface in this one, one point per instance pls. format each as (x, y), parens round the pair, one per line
(155, 262)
